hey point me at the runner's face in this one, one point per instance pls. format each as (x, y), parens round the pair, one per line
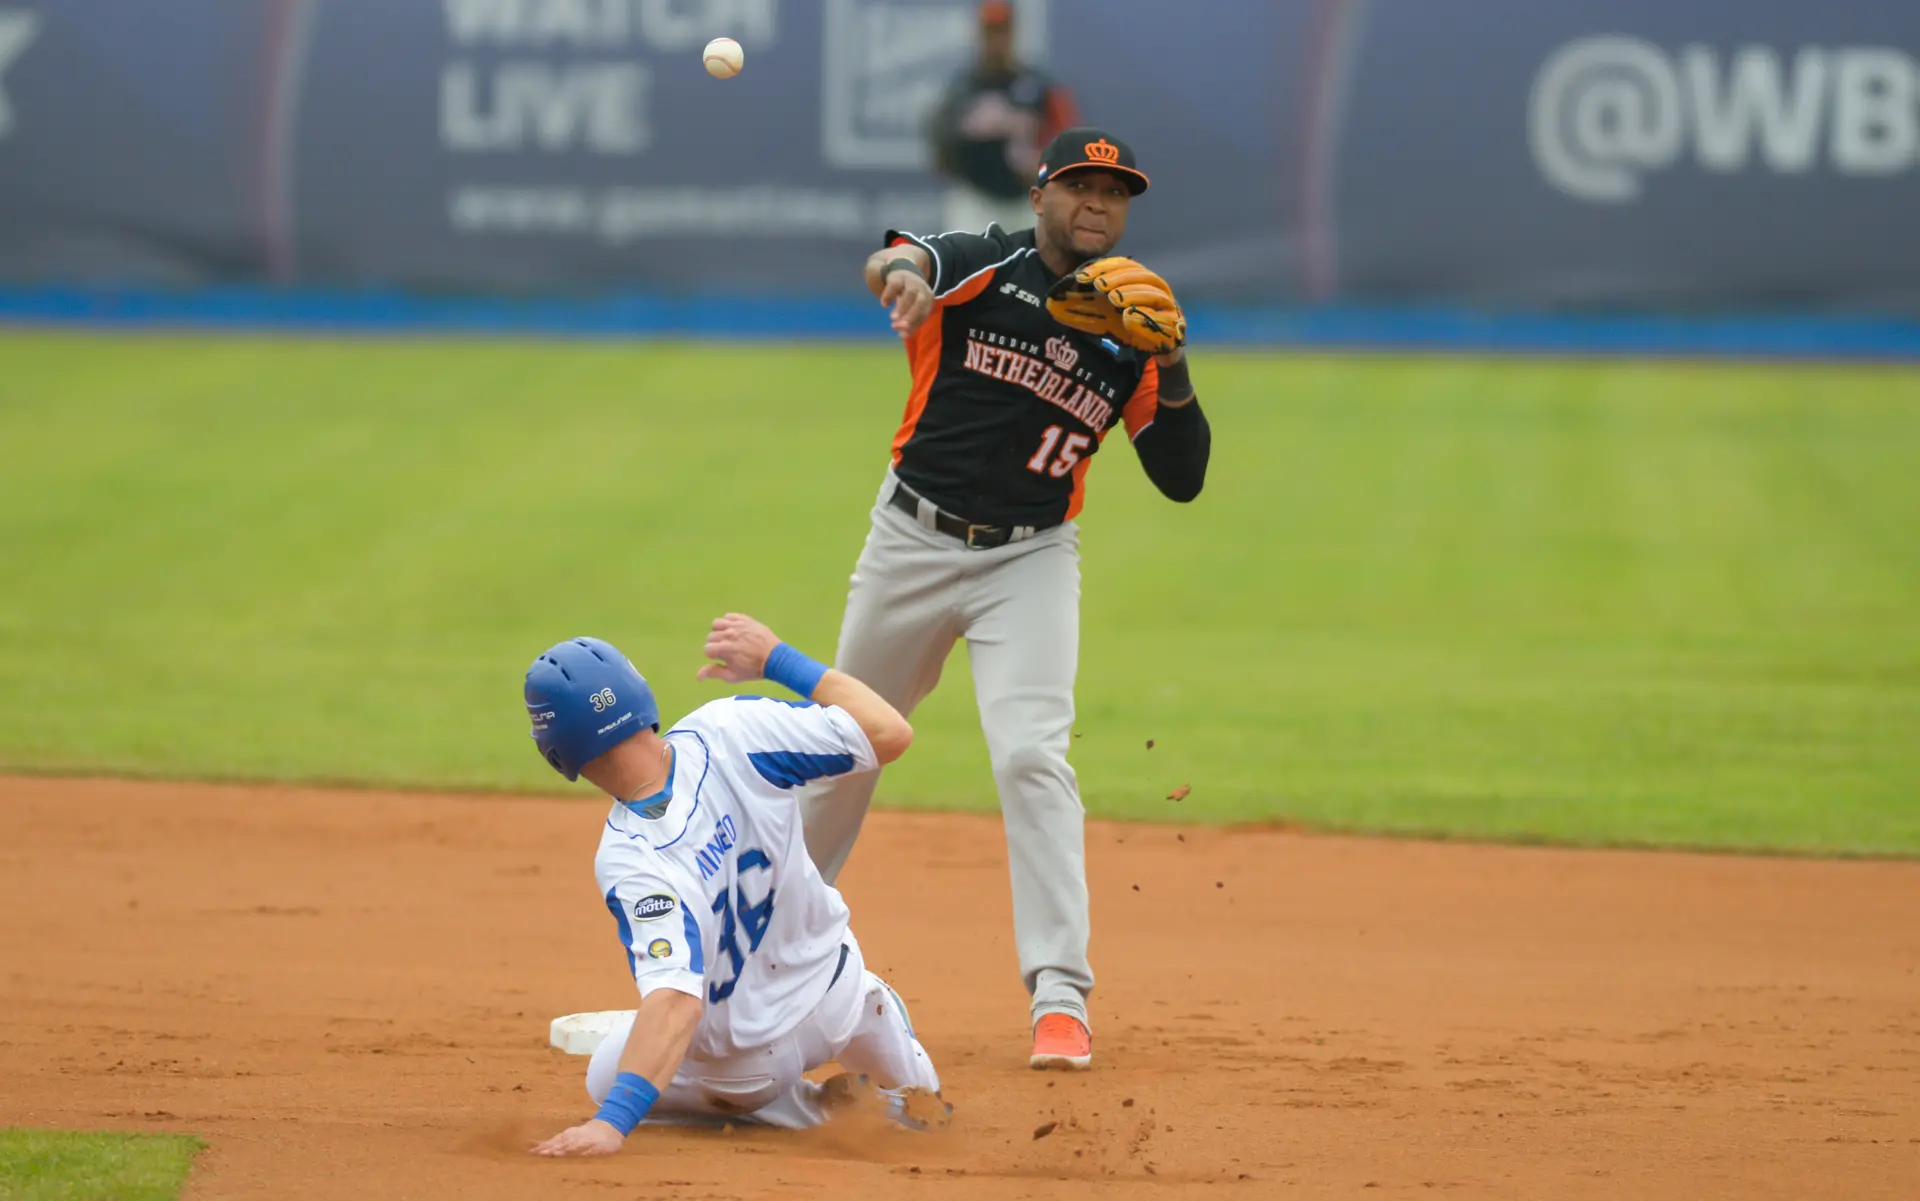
(1084, 212)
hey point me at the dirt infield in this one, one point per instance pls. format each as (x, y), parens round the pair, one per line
(348, 993)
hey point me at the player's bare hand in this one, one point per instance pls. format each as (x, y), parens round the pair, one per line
(588, 1138)
(741, 645)
(910, 297)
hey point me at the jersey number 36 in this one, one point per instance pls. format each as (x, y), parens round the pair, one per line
(737, 914)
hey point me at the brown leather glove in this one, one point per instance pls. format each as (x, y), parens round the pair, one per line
(1120, 299)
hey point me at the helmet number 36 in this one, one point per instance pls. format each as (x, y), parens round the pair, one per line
(602, 700)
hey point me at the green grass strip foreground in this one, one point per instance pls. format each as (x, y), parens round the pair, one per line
(1607, 602)
(57, 1165)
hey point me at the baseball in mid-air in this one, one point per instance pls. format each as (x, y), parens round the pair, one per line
(724, 58)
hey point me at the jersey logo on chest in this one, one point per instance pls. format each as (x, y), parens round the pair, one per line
(1013, 289)
(1012, 361)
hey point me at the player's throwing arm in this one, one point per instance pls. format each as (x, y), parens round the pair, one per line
(1025, 351)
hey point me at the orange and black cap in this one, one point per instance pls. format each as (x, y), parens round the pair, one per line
(1084, 148)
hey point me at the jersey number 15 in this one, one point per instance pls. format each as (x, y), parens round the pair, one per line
(1065, 461)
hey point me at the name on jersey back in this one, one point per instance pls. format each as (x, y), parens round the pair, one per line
(712, 857)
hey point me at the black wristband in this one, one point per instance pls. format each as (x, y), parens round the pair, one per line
(902, 263)
(1176, 385)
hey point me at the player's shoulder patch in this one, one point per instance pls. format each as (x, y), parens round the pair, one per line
(654, 906)
(659, 948)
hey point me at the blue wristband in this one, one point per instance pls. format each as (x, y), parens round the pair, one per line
(789, 668)
(627, 1102)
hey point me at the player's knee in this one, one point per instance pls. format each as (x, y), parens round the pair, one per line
(1030, 761)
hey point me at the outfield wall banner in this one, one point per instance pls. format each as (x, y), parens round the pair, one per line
(1651, 152)
(1730, 154)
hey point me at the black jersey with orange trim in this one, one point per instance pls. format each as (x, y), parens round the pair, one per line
(1008, 406)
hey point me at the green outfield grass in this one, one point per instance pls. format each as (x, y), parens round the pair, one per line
(43, 1165)
(1593, 602)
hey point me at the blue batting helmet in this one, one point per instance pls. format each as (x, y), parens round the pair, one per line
(584, 699)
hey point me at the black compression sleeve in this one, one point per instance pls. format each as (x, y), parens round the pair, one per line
(1174, 450)
(1176, 382)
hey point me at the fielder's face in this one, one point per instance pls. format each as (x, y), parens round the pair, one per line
(1083, 212)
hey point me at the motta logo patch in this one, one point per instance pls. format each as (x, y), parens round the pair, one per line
(652, 908)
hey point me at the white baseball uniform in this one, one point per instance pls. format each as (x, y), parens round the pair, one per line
(714, 896)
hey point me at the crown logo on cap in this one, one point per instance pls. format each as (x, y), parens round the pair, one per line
(1103, 151)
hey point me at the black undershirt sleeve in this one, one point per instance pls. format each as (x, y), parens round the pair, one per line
(1174, 450)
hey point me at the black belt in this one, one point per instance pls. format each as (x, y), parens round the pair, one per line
(976, 536)
(839, 967)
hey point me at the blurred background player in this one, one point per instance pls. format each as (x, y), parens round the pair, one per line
(747, 971)
(988, 130)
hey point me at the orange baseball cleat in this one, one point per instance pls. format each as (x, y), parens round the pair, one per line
(1061, 1043)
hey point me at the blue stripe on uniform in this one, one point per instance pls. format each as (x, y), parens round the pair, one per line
(791, 769)
(619, 913)
(699, 953)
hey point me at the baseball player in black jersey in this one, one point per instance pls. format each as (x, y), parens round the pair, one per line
(1026, 350)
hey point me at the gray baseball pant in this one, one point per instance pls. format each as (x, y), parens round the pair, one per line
(914, 593)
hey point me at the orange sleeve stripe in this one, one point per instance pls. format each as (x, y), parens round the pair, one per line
(969, 289)
(1144, 405)
(923, 358)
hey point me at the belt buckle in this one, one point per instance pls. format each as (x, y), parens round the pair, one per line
(971, 529)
